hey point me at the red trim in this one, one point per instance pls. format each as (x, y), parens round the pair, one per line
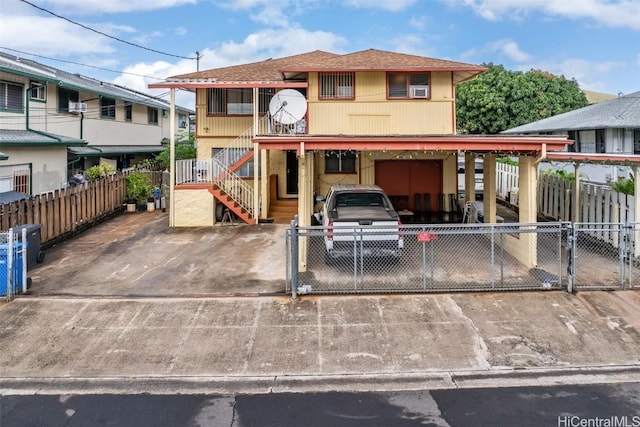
(205, 85)
(415, 143)
(593, 157)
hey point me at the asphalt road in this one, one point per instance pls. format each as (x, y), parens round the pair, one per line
(561, 406)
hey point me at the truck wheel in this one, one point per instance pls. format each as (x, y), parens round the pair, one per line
(40, 257)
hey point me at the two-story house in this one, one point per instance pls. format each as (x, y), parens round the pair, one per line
(606, 135)
(288, 128)
(53, 122)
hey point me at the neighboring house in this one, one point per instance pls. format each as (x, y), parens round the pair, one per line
(53, 123)
(284, 130)
(606, 137)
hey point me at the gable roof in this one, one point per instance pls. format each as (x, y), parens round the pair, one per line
(620, 112)
(269, 70)
(287, 68)
(36, 71)
(381, 60)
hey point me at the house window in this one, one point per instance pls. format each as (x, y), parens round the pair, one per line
(340, 161)
(407, 85)
(65, 96)
(107, 108)
(38, 91)
(337, 85)
(16, 178)
(11, 96)
(128, 112)
(636, 141)
(575, 147)
(238, 101)
(153, 115)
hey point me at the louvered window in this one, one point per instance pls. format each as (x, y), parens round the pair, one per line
(11, 96)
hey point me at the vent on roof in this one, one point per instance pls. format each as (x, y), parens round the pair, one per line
(77, 107)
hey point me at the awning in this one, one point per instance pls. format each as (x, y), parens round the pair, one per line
(115, 150)
(29, 138)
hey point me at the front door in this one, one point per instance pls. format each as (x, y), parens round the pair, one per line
(292, 172)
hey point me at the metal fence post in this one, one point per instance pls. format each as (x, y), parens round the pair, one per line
(24, 259)
(9, 264)
(294, 257)
(571, 238)
(493, 256)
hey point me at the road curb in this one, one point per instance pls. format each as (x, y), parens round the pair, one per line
(321, 383)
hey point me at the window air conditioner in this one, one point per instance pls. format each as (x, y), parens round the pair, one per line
(77, 107)
(419, 91)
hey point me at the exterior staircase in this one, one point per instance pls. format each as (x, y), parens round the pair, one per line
(228, 187)
(283, 210)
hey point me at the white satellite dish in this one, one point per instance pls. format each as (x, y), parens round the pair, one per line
(288, 106)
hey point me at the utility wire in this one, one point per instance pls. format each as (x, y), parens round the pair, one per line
(78, 63)
(104, 34)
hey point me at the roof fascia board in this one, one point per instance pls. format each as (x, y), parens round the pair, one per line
(202, 85)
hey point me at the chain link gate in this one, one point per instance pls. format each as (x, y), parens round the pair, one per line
(434, 258)
(600, 252)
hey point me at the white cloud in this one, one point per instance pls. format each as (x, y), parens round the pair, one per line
(268, 43)
(53, 37)
(589, 74)
(616, 13)
(507, 48)
(418, 22)
(390, 5)
(95, 7)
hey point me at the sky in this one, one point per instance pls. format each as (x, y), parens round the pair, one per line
(137, 42)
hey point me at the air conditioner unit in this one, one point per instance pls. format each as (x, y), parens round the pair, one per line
(419, 91)
(77, 107)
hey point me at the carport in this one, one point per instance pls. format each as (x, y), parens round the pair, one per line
(418, 164)
(375, 152)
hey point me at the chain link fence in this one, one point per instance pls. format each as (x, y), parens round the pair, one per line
(606, 256)
(430, 258)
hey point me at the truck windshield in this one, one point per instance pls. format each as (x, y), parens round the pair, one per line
(359, 199)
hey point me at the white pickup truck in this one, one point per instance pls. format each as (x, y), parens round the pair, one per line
(360, 215)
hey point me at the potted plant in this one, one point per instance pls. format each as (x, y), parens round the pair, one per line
(139, 188)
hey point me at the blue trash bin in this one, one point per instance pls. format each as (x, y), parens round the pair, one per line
(17, 268)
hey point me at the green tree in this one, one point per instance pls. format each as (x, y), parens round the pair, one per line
(500, 99)
(185, 149)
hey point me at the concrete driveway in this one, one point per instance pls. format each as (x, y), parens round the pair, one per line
(138, 254)
(150, 335)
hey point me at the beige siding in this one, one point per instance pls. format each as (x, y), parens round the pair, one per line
(372, 114)
(194, 208)
(48, 165)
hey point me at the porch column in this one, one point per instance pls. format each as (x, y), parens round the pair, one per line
(636, 207)
(305, 200)
(489, 192)
(527, 243)
(528, 194)
(264, 184)
(469, 177)
(256, 158)
(172, 159)
(256, 181)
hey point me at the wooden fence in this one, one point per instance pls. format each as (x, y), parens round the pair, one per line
(66, 211)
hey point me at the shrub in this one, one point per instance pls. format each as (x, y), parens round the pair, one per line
(139, 187)
(97, 171)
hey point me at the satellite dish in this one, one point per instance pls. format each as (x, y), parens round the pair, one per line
(288, 106)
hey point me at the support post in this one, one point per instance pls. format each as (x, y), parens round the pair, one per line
(172, 159)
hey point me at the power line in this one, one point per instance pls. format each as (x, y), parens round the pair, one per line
(104, 34)
(79, 63)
